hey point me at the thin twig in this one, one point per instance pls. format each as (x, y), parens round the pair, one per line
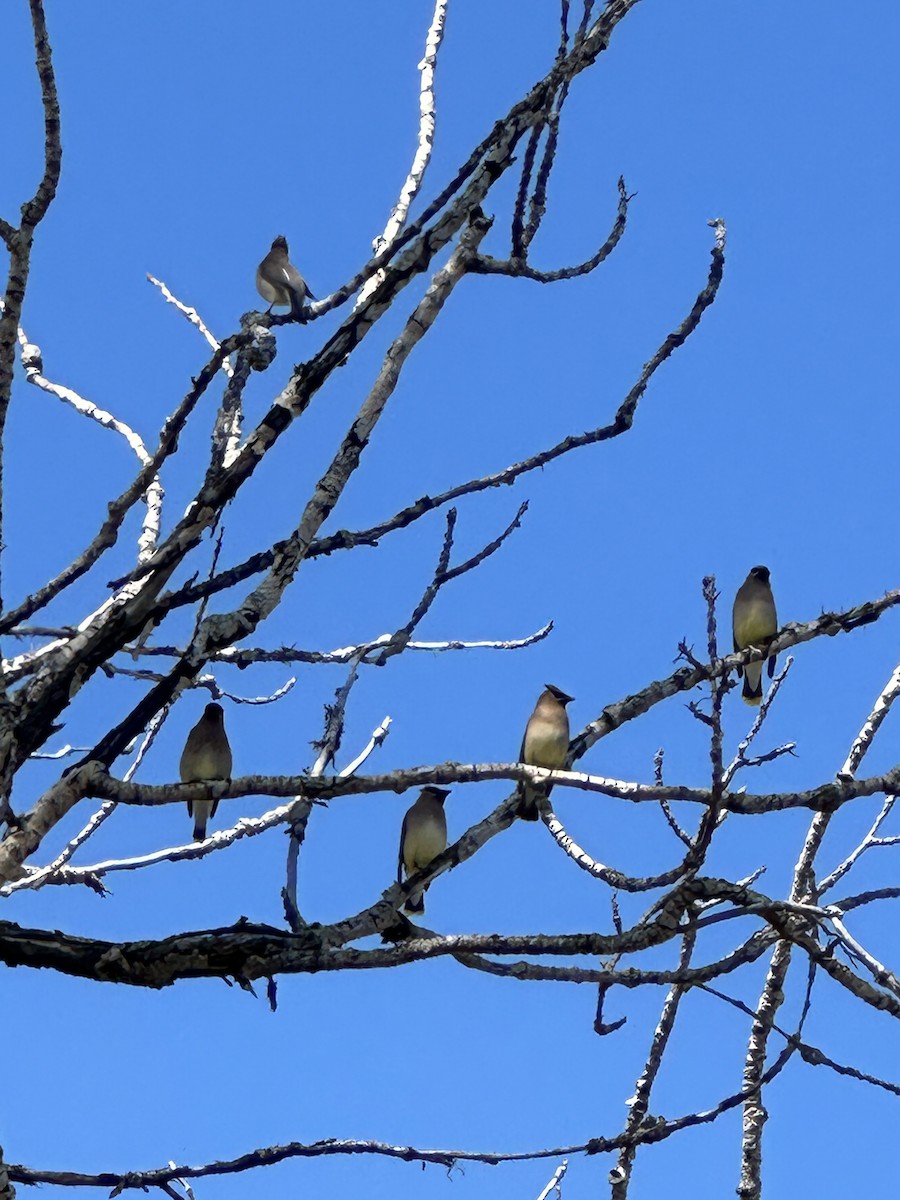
(193, 316)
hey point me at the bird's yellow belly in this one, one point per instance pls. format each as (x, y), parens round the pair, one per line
(545, 752)
(420, 849)
(756, 627)
(206, 765)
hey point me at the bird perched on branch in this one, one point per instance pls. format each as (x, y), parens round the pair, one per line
(755, 624)
(423, 836)
(279, 281)
(545, 744)
(206, 755)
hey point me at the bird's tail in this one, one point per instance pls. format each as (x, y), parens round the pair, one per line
(752, 692)
(528, 798)
(415, 902)
(297, 306)
(201, 811)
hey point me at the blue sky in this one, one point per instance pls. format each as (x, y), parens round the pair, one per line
(193, 134)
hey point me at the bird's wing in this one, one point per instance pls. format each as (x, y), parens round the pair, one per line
(400, 855)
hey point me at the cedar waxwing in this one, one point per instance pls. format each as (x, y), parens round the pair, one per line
(545, 744)
(207, 755)
(755, 624)
(422, 837)
(279, 281)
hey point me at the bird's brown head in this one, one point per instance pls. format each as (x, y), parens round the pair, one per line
(280, 243)
(436, 793)
(760, 573)
(214, 712)
(559, 694)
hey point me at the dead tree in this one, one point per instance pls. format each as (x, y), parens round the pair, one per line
(803, 934)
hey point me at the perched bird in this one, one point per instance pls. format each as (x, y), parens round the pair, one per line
(279, 281)
(206, 755)
(545, 744)
(423, 836)
(755, 624)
